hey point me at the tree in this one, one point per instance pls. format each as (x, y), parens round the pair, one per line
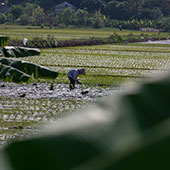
(46, 5)
(50, 18)
(38, 16)
(16, 11)
(165, 24)
(66, 16)
(98, 19)
(166, 6)
(156, 13)
(81, 17)
(116, 9)
(135, 7)
(28, 10)
(92, 5)
(2, 18)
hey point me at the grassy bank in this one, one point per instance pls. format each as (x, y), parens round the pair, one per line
(30, 32)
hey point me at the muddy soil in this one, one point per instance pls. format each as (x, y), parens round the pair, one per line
(23, 119)
(58, 91)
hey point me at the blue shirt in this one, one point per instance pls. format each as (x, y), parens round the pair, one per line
(73, 74)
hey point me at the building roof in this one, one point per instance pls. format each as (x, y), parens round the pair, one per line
(3, 7)
(65, 3)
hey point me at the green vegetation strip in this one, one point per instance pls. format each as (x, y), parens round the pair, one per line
(21, 116)
(106, 66)
(3, 40)
(20, 32)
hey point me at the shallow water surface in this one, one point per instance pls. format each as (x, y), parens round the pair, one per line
(25, 107)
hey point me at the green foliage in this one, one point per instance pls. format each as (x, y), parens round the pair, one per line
(81, 17)
(106, 139)
(89, 13)
(165, 24)
(66, 16)
(26, 17)
(133, 9)
(11, 74)
(21, 71)
(16, 11)
(20, 116)
(3, 41)
(18, 51)
(92, 5)
(117, 10)
(39, 42)
(115, 38)
(38, 16)
(110, 135)
(98, 20)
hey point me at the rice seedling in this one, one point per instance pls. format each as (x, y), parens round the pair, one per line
(106, 67)
(20, 116)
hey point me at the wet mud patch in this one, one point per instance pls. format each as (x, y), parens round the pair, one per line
(59, 91)
(25, 107)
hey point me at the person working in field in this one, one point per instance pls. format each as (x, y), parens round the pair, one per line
(72, 75)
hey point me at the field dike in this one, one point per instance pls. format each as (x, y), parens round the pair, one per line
(52, 44)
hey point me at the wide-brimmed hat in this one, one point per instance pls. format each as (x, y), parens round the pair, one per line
(82, 71)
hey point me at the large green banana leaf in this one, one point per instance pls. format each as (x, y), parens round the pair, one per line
(30, 68)
(13, 75)
(10, 51)
(129, 133)
(25, 68)
(3, 40)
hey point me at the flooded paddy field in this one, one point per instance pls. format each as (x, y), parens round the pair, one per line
(167, 42)
(25, 107)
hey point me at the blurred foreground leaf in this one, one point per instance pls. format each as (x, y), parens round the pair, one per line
(132, 133)
(13, 75)
(3, 40)
(17, 71)
(10, 51)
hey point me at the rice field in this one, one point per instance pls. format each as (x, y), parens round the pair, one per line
(57, 33)
(21, 117)
(106, 66)
(31, 32)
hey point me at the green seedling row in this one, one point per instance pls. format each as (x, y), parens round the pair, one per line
(20, 117)
(106, 66)
(108, 63)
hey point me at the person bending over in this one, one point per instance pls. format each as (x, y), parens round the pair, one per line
(72, 75)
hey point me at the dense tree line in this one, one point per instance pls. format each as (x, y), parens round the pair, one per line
(116, 9)
(131, 14)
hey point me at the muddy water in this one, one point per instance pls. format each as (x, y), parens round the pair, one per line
(25, 107)
(59, 91)
(157, 42)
